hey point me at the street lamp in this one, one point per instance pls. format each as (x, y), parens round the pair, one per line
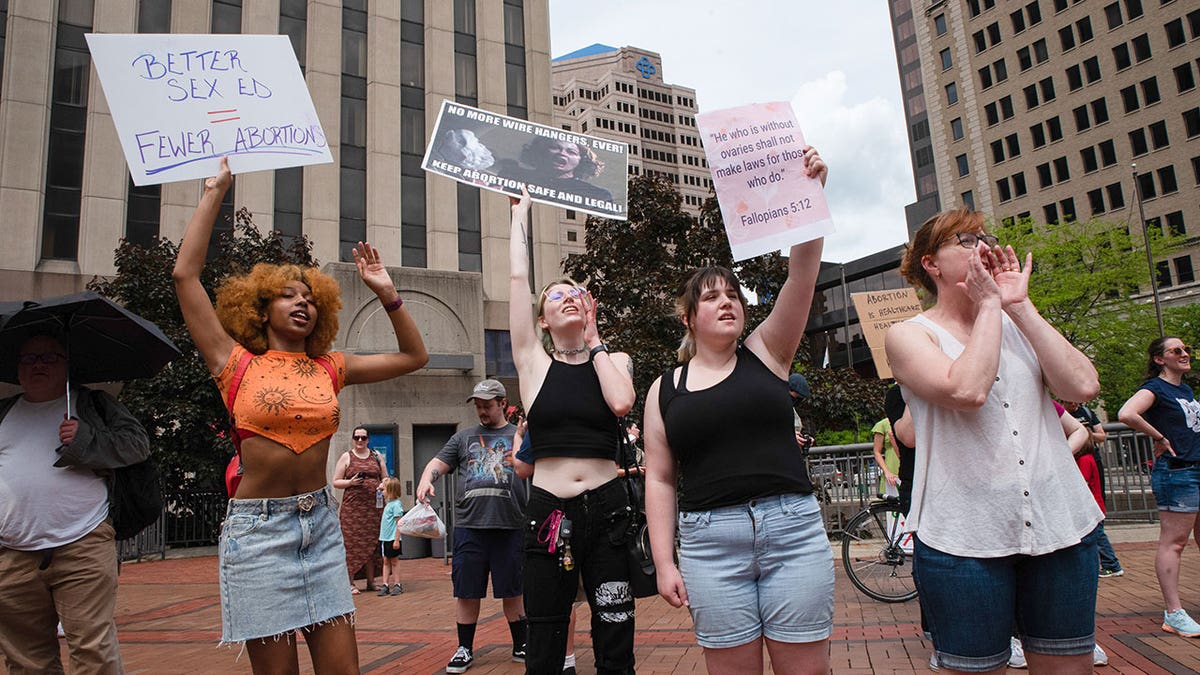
(1137, 188)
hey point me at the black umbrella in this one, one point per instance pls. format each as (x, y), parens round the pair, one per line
(106, 342)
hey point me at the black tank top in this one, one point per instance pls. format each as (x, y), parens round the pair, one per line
(735, 441)
(570, 417)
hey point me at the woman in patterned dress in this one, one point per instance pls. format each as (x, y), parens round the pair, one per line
(360, 472)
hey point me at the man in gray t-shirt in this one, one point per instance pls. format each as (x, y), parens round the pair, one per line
(489, 507)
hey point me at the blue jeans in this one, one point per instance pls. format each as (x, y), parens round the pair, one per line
(763, 568)
(1108, 557)
(1176, 490)
(971, 603)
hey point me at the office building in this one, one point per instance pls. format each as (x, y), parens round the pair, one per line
(620, 94)
(377, 72)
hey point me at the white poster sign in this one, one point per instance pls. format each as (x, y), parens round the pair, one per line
(181, 102)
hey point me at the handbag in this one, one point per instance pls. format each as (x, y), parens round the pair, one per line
(643, 581)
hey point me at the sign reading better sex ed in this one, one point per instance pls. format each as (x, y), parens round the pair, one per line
(756, 155)
(181, 102)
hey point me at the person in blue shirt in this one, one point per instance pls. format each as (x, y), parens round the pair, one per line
(1165, 409)
(389, 536)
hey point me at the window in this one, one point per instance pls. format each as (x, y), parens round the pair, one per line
(1133, 9)
(1054, 126)
(1137, 142)
(997, 151)
(1050, 212)
(1018, 182)
(1141, 47)
(1084, 28)
(1116, 197)
(1191, 122)
(1000, 70)
(1013, 144)
(1184, 78)
(1100, 110)
(1018, 21)
(947, 62)
(968, 199)
(1158, 135)
(939, 24)
(1066, 35)
(985, 77)
(1039, 135)
(1067, 206)
(1074, 78)
(1108, 153)
(1175, 35)
(1006, 108)
(1040, 53)
(1034, 12)
(1047, 87)
(1121, 56)
(1145, 183)
(1088, 157)
(951, 94)
(1129, 97)
(1113, 14)
(1150, 91)
(1196, 169)
(1091, 69)
(1096, 201)
(1183, 270)
(989, 111)
(1175, 223)
(1003, 190)
(993, 31)
(956, 128)
(1024, 59)
(980, 41)
(1166, 180)
(1045, 178)
(1061, 171)
(1031, 97)
(963, 167)
(973, 7)
(1163, 273)
(920, 130)
(1193, 18)
(1083, 120)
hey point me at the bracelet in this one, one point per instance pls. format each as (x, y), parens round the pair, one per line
(392, 306)
(1158, 439)
(596, 350)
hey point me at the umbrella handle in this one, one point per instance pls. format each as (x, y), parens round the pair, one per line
(68, 396)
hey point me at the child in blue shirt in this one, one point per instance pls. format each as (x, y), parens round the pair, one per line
(389, 536)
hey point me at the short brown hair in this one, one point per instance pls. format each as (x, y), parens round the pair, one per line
(932, 234)
(241, 301)
(689, 300)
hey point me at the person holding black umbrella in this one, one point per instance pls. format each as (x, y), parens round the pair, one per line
(281, 554)
(58, 560)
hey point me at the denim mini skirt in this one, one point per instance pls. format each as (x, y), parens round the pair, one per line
(282, 566)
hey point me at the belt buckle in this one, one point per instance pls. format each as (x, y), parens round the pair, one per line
(305, 502)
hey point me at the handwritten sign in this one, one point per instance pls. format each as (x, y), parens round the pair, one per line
(756, 154)
(181, 102)
(877, 311)
(501, 154)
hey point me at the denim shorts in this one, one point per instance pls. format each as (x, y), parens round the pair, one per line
(282, 566)
(972, 604)
(1176, 490)
(478, 553)
(763, 568)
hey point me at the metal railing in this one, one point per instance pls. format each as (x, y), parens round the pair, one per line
(846, 478)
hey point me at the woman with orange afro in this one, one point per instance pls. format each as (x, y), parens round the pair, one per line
(281, 556)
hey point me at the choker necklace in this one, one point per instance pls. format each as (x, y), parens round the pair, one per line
(568, 352)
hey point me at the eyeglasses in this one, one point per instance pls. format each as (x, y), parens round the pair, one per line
(360, 438)
(971, 240)
(575, 292)
(1178, 351)
(48, 358)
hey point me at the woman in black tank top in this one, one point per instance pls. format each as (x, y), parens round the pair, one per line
(578, 512)
(755, 566)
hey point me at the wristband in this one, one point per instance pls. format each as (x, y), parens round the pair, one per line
(596, 350)
(392, 306)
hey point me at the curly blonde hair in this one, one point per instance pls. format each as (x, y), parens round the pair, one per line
(242, 300)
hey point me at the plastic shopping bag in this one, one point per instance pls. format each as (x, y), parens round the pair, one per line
(422, 521)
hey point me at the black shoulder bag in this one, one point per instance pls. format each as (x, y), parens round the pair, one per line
(643, 582)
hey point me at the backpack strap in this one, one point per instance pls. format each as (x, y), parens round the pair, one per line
(235, 383)
(328, 366)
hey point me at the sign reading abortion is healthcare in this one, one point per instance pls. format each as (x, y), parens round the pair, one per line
(502, 154)
(181, 102)
(756, 154)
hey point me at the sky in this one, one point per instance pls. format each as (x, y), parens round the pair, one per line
(833, 60)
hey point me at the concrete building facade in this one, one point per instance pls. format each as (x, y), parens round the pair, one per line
(620, 94)
(377, 73)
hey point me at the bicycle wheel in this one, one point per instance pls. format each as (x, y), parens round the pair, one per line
(874, 555)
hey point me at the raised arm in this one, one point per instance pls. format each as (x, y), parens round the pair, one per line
(410, 351)
(661, 505)
(1068, 373)
(777, 337)
(529, 357)
(213, 343)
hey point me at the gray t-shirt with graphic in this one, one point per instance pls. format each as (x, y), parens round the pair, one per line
(488, 494)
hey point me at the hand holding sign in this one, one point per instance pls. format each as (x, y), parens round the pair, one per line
(770, 195)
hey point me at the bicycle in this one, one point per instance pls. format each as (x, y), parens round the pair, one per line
(876, 555)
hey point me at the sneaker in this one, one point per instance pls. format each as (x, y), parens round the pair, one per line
(1099, 658)
(1180, 623)
(397, 589)
(933, 662)
(461, 661)
(1104, 574)
(1016, 657)
(383, 590)
(519, 653)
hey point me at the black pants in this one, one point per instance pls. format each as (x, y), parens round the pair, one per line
(599, 521)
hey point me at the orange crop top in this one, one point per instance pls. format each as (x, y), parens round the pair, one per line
(285, 396)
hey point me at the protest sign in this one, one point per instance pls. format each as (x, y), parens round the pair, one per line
(501, 153)
(877, 311)
(756, 155)
(181, 102)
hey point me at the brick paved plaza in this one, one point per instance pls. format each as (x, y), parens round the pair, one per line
(169, 621)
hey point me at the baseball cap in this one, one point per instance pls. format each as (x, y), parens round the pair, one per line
(798, 385)
(487, 390)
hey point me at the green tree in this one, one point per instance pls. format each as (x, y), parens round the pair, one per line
(1083, 278)
(181, 407)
